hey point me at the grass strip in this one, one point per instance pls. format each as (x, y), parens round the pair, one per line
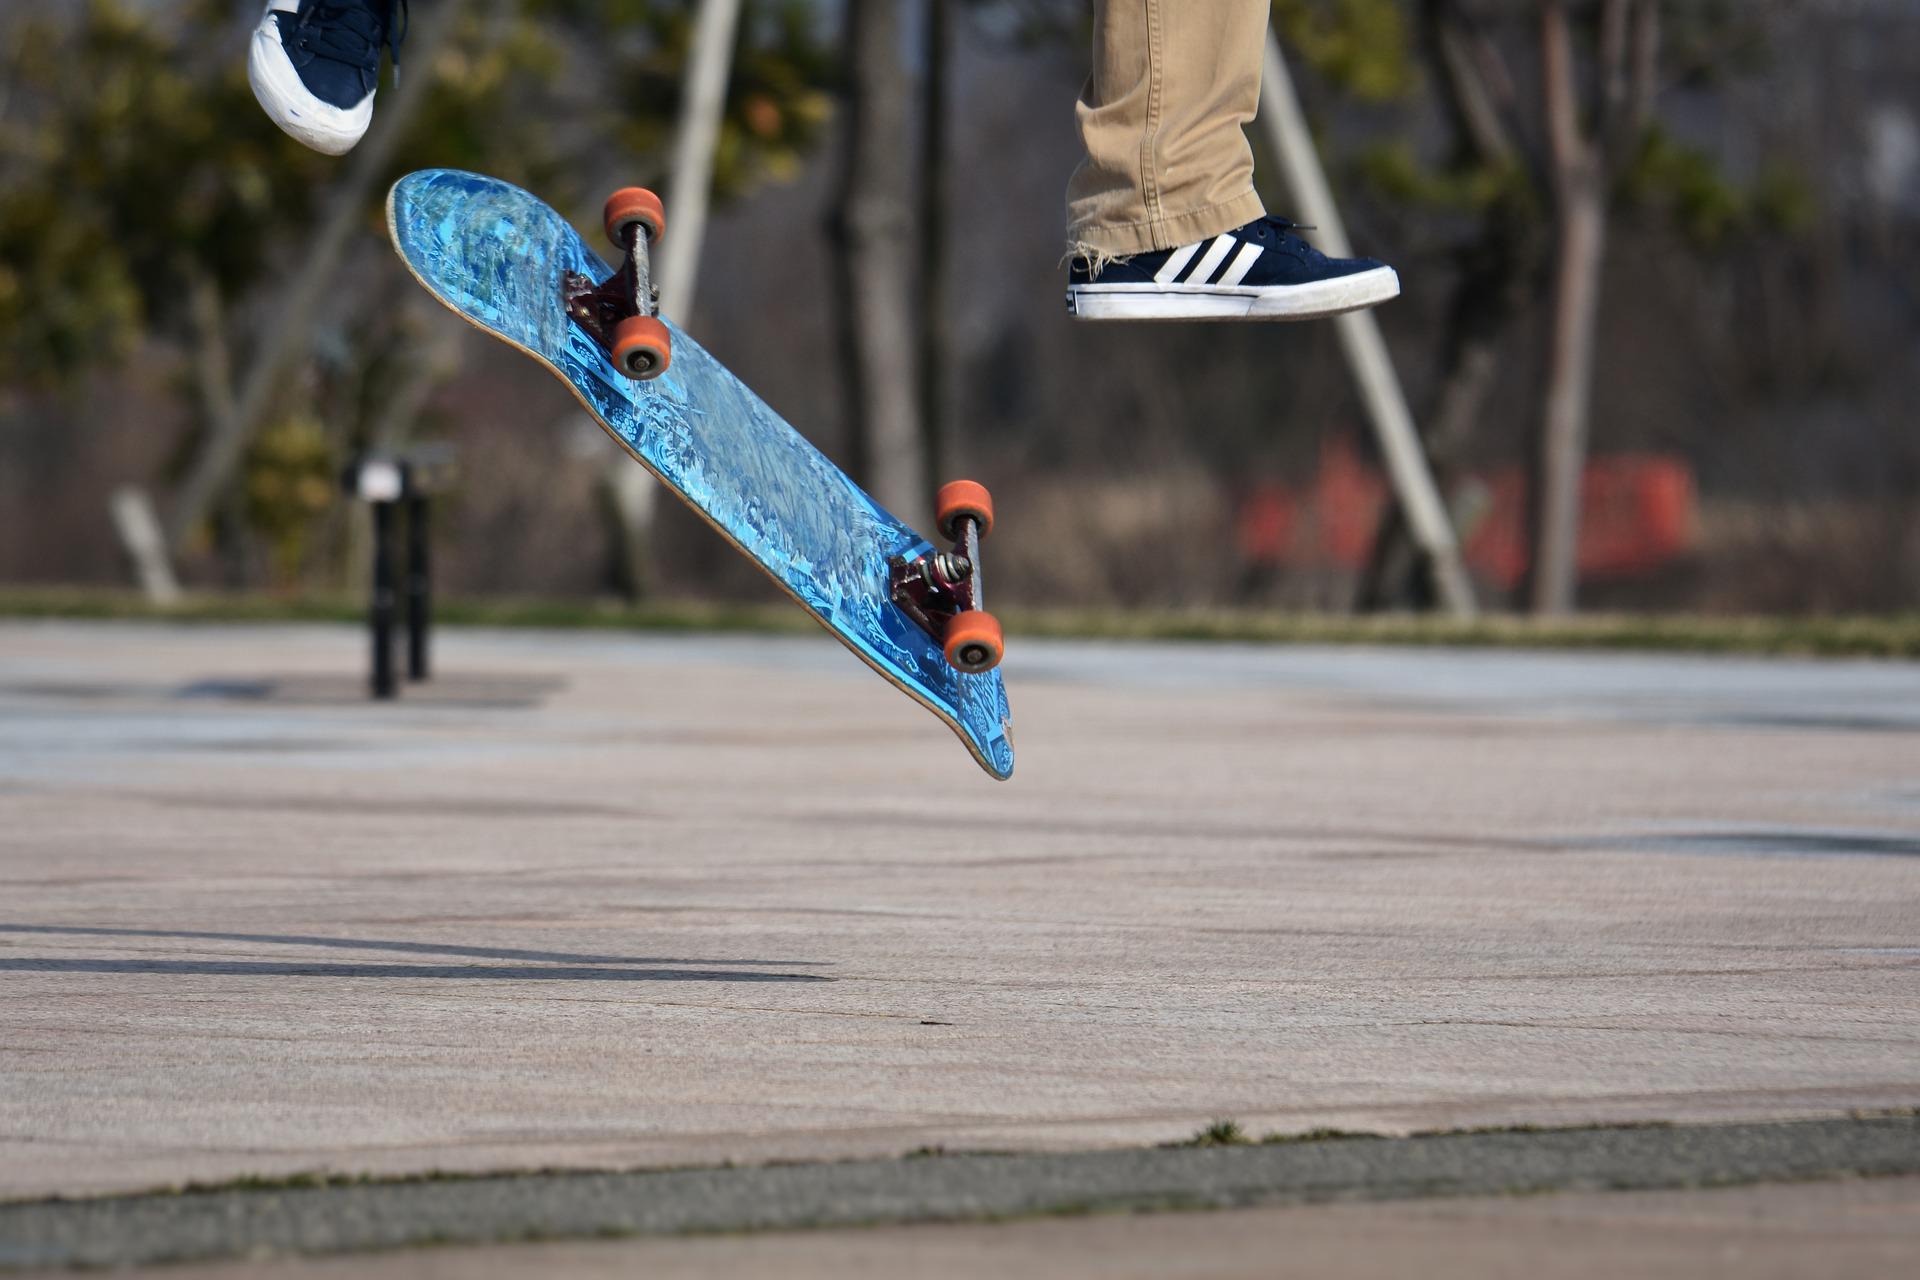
(1890, 636)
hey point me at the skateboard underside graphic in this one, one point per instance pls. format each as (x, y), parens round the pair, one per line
(500, 258)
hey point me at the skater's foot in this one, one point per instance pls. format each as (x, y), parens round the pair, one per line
(314, 65)
(1261, 271)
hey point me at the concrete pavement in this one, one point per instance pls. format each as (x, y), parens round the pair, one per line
(600, 901)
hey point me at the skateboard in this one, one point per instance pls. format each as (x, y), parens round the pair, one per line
(509, 265)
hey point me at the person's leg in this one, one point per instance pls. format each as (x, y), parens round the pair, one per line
(1162, 219)
(1174, 83)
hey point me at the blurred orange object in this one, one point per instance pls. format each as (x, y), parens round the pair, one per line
(1637, 514)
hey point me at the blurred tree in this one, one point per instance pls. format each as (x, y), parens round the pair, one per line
(779, 85)
(1593, 117)
(147, 198)
(874, 237)
(234, 414)
(1482, 173)
(290, 483)
(702, 61)
(1542, 179)
(137, 178)
(1021, 23)
(1364, 46)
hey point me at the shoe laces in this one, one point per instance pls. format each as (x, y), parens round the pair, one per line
(1284, 227)
(1285, 239)
(352, 31)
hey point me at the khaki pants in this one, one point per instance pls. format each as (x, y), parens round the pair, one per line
(1174, 82)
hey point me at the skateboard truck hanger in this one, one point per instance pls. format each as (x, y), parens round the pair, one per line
(942, 592)
(622, 312)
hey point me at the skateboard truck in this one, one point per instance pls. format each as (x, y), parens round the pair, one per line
(941, 591)
(622, 312)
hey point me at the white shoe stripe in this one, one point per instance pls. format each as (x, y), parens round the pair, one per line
(1216, 253)
(1242, 263)
(1181, 257)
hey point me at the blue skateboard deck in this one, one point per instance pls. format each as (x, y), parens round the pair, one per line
(495, 256)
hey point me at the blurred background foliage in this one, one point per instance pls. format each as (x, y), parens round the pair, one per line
(138, 167)
(1364, 47)
(149, 203)
(1756, 325)
(129, 181)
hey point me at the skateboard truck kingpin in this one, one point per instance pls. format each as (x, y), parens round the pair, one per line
(941, 591)
(623, 311)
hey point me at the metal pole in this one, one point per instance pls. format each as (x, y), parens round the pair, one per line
(419, 586)
(381, 614)
(1360, 340)
(704, 94)
(630, 490)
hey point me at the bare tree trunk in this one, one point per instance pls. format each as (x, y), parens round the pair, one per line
(876, 268)
(626, 509)
(1565, 403)
(212, 360)
(226, 440)
(1579, 179)
(1646, 65)
(1496, 273)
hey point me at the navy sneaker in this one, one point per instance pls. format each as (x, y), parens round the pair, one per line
(314, 65)
(1261, 271)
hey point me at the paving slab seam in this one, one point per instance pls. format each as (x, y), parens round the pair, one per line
(282, 1218)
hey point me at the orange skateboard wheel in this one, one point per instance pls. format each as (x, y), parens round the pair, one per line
(974, 641)
(962, 498)
(629, 205)
(642, 347)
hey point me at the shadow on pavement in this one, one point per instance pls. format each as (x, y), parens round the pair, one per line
(549, 965)
(294, 969)
(467, 690)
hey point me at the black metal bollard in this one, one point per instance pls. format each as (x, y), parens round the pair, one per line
(419, 585)
(385, 482)
(380, 615)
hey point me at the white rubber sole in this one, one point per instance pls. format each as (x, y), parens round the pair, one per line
(320, 125)
(1233, 302)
